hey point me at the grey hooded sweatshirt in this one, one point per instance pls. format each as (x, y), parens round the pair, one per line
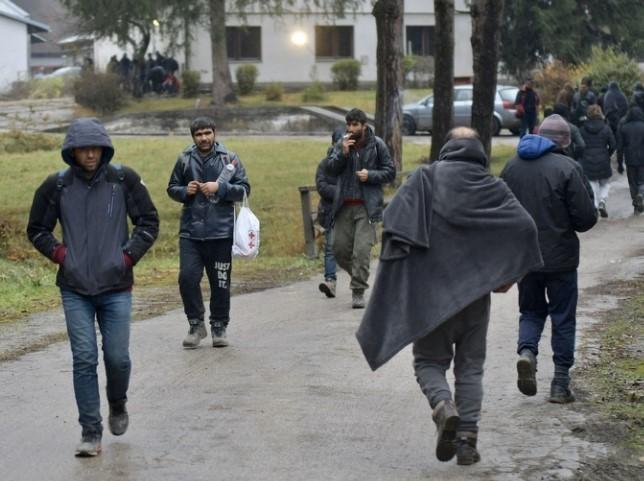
(93, 215)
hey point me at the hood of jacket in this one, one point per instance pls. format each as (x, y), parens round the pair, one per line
(465, 150)
(594, 126)
(635, 115)
(534, 146)
(87, 132)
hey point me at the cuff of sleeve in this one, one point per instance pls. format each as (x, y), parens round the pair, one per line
(223, 190)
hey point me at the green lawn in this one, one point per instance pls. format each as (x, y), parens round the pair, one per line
(363, 99)
(276, 167)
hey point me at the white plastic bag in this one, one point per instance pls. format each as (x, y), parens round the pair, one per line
(246, 233)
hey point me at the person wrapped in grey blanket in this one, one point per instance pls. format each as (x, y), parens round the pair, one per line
(452, 234)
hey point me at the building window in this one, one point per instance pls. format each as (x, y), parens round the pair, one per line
(244, 43)
(420, 41)
(333, 42)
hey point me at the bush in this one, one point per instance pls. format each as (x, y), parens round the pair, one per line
(17, 141)
(313, 93)
(274, 92)
(44, 88)
(417, 71)
(190, 80)
(99, 91)
(551, 79)
(609, 64)
(246, 77)
(345, 74)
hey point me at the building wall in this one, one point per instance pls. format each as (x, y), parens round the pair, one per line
(14, 52)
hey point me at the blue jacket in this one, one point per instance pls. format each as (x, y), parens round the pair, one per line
(553, 189)
(93, 214)
(207, 218)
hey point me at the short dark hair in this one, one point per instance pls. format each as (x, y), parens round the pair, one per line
(356, 115)
(201, 123)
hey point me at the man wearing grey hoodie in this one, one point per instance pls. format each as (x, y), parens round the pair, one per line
(92, 200)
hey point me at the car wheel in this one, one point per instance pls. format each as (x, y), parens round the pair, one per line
(496, 127)
(408, 125)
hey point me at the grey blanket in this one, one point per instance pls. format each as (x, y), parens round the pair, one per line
(452, 234)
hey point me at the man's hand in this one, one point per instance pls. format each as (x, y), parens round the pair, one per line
(208, 188)
(363, 175)
(504, 288)
(347, 143)
(192, 187)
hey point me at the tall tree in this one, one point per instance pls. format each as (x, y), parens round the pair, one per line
(222, 82)
(486, 33)
(389, 27)
(443, 75)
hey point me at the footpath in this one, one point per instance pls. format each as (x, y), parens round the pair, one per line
(293, 399)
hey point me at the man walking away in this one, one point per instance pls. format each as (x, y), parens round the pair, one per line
(615, 106)
(207, 179)
(326, 187)
(92, 200)
(582, 99)
(362, 164)
(577, 144)
(453, 233)
(527, 102)
(630, 148)
(553, 190)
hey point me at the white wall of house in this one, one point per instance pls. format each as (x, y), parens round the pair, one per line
(282, 61)
(14, 52)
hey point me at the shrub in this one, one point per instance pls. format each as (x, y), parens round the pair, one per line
(190, 80)
(609, 64)
(313, 93)
(274, 92)
(99, 91)
(551, 79)
(51, 88)
(345, 73)
(17, 141)
(246, 77)
(417, 71)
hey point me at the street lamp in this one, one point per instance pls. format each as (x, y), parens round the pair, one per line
(299, 38)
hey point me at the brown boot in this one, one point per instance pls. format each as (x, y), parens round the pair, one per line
(446, 418)
(466, 452)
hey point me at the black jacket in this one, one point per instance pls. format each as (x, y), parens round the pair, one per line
(580, 104)
(630, 139)
(373, 156)
(600, 145)
(326, 186)
(207, 218)
(615, 104)
(93, 216)
(551, 187)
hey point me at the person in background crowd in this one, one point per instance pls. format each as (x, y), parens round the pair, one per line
(614, 106)
(630, 150)
(582, 99)
(577, 145)
(600, 145)
(527, 106)
(566, 95)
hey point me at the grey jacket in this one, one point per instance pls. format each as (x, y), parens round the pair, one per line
(207, 218)
(93, 216)
(373, 156)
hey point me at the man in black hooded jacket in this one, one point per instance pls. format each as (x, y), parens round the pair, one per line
(92, 200)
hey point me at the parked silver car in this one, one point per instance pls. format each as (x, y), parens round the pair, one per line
(418, 116)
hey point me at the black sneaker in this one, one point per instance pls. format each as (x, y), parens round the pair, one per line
(89, 446)
(196, 332)
(219, 338)
(466, 452)
(118, 419)
(602, 209)
(446, 418)
(560, 394)
(526, 373)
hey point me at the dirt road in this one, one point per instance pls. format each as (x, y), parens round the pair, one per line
(293, 399)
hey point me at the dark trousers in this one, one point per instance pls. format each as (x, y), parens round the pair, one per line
(528, 123)
(635, 176)
(216, 257)
(555, 294)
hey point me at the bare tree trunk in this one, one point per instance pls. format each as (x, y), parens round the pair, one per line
(443, 75)
(222, 83)
(486, 36)
(138, 62)
(389, 26)
(187, 42)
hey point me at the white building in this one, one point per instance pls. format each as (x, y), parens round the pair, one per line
(17, 31)
(286, 48)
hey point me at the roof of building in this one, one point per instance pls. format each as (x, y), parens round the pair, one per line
(12, 11)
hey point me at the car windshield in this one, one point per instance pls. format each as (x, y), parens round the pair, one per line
(508, 93)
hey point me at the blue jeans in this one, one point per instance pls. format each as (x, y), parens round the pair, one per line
(561, 305)
(112, 311)
(329, 259)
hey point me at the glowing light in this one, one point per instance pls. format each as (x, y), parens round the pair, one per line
(299, 39)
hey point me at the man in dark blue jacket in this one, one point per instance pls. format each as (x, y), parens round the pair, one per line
(552, 188)
(92, 200)
(362, 164)
(207, 179)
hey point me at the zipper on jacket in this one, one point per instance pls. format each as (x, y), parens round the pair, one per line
(110, 206)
